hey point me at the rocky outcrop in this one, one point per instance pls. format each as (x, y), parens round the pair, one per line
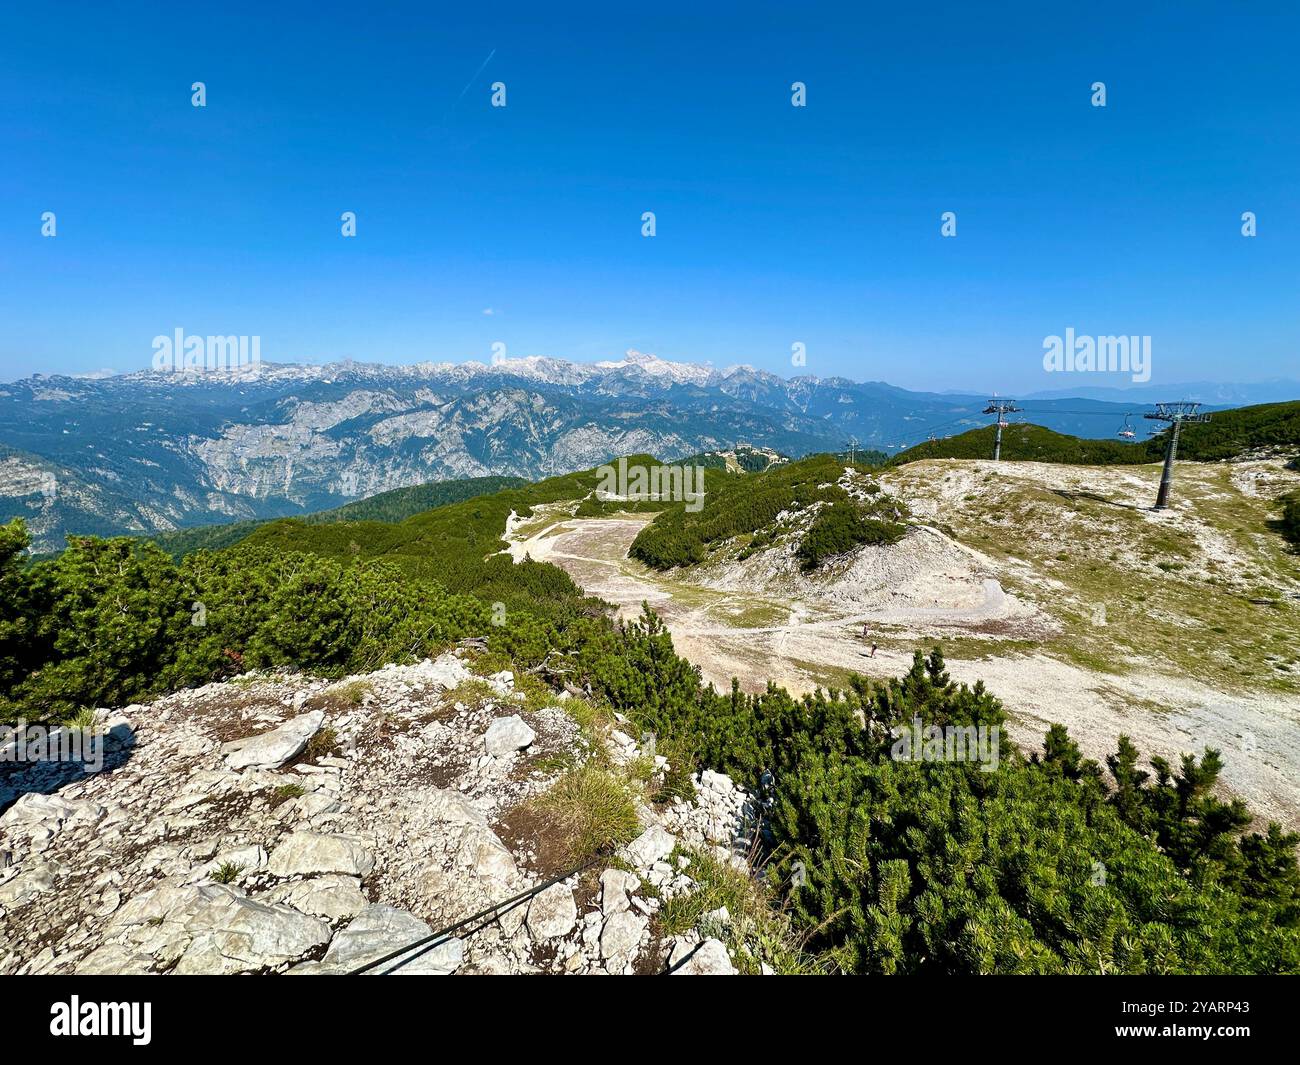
(224, 843)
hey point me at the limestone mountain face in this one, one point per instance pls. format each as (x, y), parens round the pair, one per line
(280, 823)
(155, 450)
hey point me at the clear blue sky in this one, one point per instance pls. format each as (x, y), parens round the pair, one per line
(775, 224)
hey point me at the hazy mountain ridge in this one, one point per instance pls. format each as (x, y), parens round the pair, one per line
(155, 450)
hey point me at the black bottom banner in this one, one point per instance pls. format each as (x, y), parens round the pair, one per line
(181, 1014)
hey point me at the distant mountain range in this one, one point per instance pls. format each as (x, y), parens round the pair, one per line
(1276, 390)
(156, 450)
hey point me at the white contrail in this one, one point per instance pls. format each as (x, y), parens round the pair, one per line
(474, 78)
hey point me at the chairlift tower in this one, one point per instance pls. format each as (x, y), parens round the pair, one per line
(1000, 407)
(1176, 414)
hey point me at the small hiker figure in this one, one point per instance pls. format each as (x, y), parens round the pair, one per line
(866, 633)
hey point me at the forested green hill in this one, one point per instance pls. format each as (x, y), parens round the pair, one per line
(1023, 442)
(748, 508)
(1229, 433)
(389, 506)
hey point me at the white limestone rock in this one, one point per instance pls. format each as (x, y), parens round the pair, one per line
(653, 845)
(483, 854)
(445, 805)
(37, 880)
(335, 898)
(114, 959)
(41, 817)
(503, 682)
(236, 934)
(552, 913)
(380, 930)
(621, 936)
(506, 735)
(316, 853)
(615, 887)
(709, 958)
(270, 750)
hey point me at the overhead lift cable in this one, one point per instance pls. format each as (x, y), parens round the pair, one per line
(486, 916)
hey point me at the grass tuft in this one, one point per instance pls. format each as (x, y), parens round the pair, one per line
(228, 873)
(285, 792)
(325, 742)
(593, 809)
(756, 933)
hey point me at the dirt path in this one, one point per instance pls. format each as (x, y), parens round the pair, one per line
(757, 638)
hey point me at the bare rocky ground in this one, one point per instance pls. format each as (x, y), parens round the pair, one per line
(288, 824)
(1054, 585)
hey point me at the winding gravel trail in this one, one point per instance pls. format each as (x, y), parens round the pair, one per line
(1164, 714)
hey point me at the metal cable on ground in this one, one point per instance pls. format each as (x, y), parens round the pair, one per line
(493, 910)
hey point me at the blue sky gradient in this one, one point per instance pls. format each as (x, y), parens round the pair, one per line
(776, 224)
